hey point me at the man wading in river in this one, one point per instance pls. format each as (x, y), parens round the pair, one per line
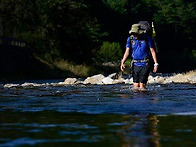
(141, 44)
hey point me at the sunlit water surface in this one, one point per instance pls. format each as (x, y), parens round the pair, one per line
(98, 115)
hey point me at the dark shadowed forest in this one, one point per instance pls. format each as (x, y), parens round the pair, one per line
(59, 38)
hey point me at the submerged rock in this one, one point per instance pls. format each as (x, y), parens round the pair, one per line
(156, 79)
(30, 84)
(11, 85)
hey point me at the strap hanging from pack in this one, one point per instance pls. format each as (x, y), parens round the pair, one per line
(153, 30)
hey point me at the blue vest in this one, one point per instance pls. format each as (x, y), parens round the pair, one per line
(140, 48)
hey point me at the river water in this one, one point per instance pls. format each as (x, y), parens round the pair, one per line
(98, 115)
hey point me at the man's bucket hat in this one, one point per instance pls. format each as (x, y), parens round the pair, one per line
(136, 28)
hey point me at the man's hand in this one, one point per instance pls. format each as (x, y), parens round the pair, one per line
(126, 54)
(122, 67)
(155, 67)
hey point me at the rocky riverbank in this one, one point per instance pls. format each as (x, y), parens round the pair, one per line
(189, 77)
(99, 79)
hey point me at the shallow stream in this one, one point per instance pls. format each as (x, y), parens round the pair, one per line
(98, 115)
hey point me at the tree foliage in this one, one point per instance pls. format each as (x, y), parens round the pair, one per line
(181, 16)
(53, 27)
(120, 6)
(74, 30)
(109, 51)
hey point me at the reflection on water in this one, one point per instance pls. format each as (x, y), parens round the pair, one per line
(177, 130)
(80, 129)
(95, 115)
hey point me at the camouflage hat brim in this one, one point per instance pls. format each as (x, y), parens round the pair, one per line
(136, 29)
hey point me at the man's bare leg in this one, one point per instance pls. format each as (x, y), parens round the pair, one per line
(142, 86)
(136, 85)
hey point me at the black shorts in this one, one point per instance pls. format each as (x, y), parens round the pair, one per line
(140, 74)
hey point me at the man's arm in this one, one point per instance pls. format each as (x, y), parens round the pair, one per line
(154, 56)
(126, 54)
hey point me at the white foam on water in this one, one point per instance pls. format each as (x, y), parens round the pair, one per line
(192, 113)
(185, 113)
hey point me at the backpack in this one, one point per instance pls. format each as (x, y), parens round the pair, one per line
(149, 30)
(145, 28)
(144, 25)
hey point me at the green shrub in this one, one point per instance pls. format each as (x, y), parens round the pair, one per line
(128, 61)
(193, 54)
(109, 52)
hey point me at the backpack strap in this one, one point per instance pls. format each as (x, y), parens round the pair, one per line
(145, 39)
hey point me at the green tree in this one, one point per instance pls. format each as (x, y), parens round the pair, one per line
(181, 16)
(109, 52)
(52, 27)
(119, 6)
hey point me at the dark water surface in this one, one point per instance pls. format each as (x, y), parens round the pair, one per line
(98, 115)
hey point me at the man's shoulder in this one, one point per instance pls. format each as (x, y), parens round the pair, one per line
(129, 39)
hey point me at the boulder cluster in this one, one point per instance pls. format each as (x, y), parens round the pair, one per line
(99, 79)
(114, 78)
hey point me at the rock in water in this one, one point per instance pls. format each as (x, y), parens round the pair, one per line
(96, 79)
(107, 80)
(70, 81)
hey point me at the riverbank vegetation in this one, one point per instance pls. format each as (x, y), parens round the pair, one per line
(76, 37)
